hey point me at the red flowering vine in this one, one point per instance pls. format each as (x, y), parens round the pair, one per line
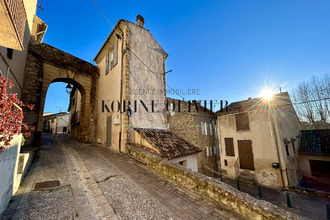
(11, 115)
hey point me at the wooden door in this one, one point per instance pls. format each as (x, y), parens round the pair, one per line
(245, 154)
(109, 121)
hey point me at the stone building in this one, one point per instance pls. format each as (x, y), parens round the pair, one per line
(56, 123)
(258, 141)
(15, 34)
(75, 112)
(314, 154)
(198, 128)
(167, 145)
(46, 64)
(130, 60)
(18, 25)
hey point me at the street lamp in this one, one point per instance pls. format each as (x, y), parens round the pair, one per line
(68, 88)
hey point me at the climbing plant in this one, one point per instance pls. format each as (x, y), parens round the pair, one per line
(11, 115)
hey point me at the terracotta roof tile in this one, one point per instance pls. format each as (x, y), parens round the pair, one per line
(278, 100)
(169, 144)
(315, 142)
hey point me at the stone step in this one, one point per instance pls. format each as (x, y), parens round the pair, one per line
(250, 179)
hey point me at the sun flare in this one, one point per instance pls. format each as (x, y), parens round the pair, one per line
(267, 94)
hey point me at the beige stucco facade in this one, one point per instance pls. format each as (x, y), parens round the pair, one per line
(304, 163)
(140, 64)
(75, 110)
(13, 67)
(268, 128)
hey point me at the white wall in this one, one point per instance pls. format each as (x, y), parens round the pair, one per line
(8, 170)
(146, 48)
(191, 162)
(62, 121)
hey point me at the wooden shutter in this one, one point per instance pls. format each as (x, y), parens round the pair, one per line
(245, 153)
(107, 63)
(242, 122)
(229, 145)
(115, 53)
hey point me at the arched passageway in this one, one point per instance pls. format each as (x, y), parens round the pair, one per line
(45, 65)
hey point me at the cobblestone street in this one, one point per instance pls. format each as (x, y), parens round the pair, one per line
(97, 183)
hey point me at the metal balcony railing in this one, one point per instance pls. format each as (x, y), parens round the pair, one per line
(16, 11)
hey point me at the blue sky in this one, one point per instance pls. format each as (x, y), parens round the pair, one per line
(228, 49)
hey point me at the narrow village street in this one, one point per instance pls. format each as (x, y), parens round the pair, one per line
(97, 183)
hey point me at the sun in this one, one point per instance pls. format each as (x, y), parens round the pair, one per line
(267, 94)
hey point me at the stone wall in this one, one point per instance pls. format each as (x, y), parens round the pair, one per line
(45, 65)
(240, 202)
(187, 125)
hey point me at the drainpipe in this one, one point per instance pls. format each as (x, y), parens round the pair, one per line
(121, 84)
(277, 147)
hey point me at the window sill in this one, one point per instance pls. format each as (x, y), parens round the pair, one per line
(240, 131)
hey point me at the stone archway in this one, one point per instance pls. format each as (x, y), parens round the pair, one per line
(45, 65)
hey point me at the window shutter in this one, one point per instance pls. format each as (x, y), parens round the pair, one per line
(207, 151)
(205, 127)
(229, 145)
(107, 64)
(171, 109)
(202, 127)
(210, 129)
(115, 53)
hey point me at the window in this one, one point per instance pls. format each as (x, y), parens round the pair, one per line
(10, 53)
(171, 110)
(229, 145)
(242, 122)
(210, 129)
(287, 151)
(183, 163)
(111, 58)
(216, 132)
(205, 128)
(207, 151)
(293, 148)
(213, 150)
(202, 127)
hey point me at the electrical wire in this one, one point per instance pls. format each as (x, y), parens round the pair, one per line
(133, 52)
(51, 90)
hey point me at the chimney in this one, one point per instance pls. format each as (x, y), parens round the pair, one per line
(140, 21)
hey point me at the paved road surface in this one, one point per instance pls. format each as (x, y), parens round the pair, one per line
(97, 183)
